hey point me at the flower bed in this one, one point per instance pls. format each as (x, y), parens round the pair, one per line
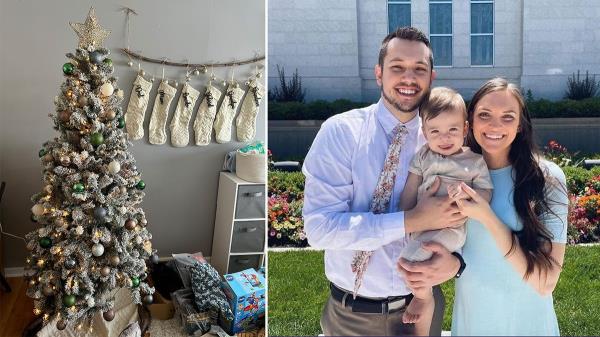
(286, 193)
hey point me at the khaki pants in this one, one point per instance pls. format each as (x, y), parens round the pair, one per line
(337, 320)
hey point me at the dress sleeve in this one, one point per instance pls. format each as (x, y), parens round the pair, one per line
(557, 198)
(482, 178)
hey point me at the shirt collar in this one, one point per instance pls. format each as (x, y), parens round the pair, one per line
(388, 121)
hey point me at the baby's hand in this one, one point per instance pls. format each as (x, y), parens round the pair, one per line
(455, 192)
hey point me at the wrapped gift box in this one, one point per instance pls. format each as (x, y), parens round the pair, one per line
(245, 291)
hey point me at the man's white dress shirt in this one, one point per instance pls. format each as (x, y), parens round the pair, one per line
(342, 168)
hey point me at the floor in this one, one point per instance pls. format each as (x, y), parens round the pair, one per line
(16, 309)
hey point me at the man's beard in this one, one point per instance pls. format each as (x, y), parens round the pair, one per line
(404, 108)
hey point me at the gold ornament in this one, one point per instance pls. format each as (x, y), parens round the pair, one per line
(90, 33)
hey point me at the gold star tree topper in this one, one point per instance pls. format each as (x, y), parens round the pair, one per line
(90, 33)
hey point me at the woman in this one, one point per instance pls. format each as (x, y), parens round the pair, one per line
(515, 244)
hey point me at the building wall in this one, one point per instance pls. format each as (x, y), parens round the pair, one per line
(560, 37)
(461, 76)
(319, 38)
(538, 44)
(182, 183)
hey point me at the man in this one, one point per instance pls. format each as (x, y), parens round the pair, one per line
(342, 171)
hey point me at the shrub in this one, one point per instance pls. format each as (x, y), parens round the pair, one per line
(286, 226)
(578, 89)
(560, 155)
(321, 110)
(288, 91)
(289, 183)
(286, 193)
(584, 214)
(318, 110)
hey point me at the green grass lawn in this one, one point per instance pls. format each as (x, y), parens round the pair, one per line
(298, 290)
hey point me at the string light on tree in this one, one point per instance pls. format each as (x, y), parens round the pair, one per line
(77, 251)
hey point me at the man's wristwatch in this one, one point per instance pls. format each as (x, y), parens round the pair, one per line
(463, 265)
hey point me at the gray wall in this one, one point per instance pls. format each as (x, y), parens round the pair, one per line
(182, 183)
(319, 38)
(560, 37)
(334, 44)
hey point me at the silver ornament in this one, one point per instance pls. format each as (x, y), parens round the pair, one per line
(96, 57)
(97, 249)
(148, 299)
(100, 213)
(196, 72)
(259, 75)
(130, 64)
(70, 263)
(142, 72)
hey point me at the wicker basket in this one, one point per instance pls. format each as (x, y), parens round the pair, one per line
(251, 167)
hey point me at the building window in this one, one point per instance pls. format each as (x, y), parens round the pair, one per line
(398, 14)
(482, 32)
(440, 31)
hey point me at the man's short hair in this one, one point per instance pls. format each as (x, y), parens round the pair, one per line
(442, 99)
(405, 33)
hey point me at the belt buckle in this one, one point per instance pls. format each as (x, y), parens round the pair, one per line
(396, 305)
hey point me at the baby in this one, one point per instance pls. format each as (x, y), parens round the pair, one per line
(445, 126)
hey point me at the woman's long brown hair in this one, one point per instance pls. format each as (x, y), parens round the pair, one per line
(529, 195)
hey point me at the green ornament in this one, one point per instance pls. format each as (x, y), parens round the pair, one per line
(108, 62)
(140, 185)
(68, 68)
(69, 300)
(45, 242)
(121, 122)
(97, 139)
(42, 153)
(135, 282)
(78, 187)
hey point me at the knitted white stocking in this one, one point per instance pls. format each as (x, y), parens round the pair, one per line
(206, 115)
(158, 120)
(180, 135)
(136, 109)
(224, 119)
(246, 120)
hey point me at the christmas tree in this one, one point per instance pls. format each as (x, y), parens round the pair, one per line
(93, 238)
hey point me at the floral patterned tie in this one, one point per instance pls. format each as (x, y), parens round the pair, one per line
(381, 198)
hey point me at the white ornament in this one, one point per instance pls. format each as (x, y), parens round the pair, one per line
(120, 93)
(79, 230)
(106, 89)
(90, 302)
(37, 209)
(123, 209)
(97, 249)
(138, 240)
(114, 167)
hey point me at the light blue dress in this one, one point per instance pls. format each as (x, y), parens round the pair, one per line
(491, 297)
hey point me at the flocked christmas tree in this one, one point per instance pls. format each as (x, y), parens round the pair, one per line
(93, 238)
